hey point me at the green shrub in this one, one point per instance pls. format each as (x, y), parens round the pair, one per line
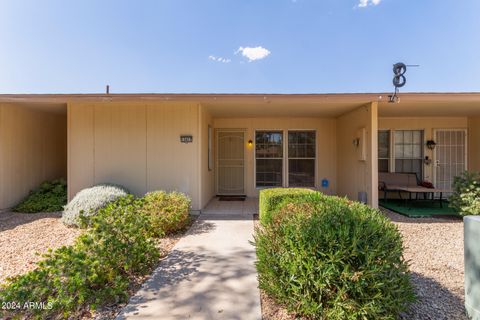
(168, 212)
(271, 199)
(330, 258)
(466, 194)
(88, 201)
(95, 271)
(50, 196)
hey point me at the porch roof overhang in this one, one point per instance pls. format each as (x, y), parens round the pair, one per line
(432, 105)
(280, 105)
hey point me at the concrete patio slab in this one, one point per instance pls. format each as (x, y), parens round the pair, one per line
(210, 274)
(248, 206)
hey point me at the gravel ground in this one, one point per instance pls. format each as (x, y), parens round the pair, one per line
(23, 235)
(434, 249)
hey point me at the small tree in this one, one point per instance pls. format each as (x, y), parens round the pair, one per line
(466, 194)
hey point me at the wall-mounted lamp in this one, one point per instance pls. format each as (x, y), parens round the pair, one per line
(431, 144)
(250, 143)
(356, 142)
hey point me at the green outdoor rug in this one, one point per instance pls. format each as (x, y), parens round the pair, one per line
(420, 208)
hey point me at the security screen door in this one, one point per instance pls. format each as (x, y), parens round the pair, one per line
(230, 162)
(450, 156)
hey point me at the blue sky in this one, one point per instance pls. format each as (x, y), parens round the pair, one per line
(244, 46)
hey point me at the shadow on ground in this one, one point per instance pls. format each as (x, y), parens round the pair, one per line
(434, 301)
(397, 217)
(187, 282)
(11, 220)
(201, 226)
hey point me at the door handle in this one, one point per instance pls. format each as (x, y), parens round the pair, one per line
(437, 163)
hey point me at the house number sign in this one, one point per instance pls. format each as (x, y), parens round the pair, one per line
(186, 139)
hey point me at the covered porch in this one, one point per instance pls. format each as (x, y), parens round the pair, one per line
(323, 142)
(236, 144)
(434, 137)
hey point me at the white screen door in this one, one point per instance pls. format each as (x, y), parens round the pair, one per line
(450, 156)
(230, 162)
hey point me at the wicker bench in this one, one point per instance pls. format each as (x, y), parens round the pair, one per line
(405, 182)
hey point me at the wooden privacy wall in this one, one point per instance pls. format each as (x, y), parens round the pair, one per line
(136, 145)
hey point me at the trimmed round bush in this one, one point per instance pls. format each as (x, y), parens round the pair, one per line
(271, 199)
(330, 258)
(88, 201)
(168, 212)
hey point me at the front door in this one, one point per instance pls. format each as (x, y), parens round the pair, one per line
(450, 156)
(230, 162)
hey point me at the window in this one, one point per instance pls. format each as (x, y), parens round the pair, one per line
(300, 154)
(301, 158)
(269, 158)
(406, 154)
(383, 151)
(408, 151)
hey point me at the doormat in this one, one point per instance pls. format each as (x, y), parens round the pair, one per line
(231, 198)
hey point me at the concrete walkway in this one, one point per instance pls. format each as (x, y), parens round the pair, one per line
(210, 274)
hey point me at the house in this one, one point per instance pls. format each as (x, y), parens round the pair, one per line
(234, 144)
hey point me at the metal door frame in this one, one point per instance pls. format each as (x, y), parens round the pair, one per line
(434, 163)
(243, 131)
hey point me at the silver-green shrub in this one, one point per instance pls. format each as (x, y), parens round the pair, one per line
(88, 201)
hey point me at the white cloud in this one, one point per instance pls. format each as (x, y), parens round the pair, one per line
(253, 53)
(364, 3)
(219, 59)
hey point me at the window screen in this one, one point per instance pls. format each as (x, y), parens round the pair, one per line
(383, 151)
(269, 158)
(301, 158)
(409, 152)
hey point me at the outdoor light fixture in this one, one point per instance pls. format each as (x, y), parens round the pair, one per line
(431, 144)
(356, 142)
(250, 143)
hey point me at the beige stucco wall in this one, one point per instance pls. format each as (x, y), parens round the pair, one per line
(326, 144)
(354, 175)
(428, 124)
(474, 144)
(32, 150)
(134, 144)
(207, 189)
